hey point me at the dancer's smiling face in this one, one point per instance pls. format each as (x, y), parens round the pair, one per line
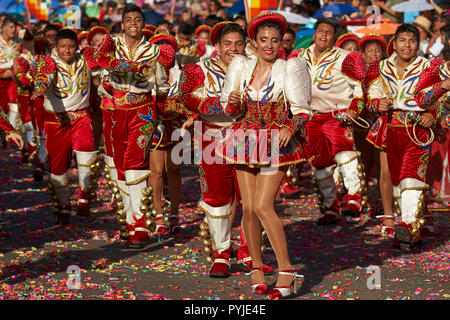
(231, 44)
(268, 42)
(133, 24)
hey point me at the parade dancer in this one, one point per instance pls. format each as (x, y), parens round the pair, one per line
(337, 77)
(39, 45)
(373, 46)
(408, 134)
(24, 88)
(160, 155)
(262, 143)
(64, 78)
(94, 38)
(202, 35)
(134, 117)
(9, 51)
(11, 133)
(199, 89)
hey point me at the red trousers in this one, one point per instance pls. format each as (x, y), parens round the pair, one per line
(107, 125)
(326, 138)
(38, 114)
(8, 93)
(406, 159)
(132, 131)
(438, 174)
(25, 107)
(63, 138)
(218, 182)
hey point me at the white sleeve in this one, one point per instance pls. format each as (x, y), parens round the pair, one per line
(232, 79)
(297, 86)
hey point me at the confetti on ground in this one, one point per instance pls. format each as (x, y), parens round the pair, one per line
(35, 254)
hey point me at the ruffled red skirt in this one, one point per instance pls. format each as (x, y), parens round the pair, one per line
(378, 132)
(254, 140)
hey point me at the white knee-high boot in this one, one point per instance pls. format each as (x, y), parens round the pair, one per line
(219, 225)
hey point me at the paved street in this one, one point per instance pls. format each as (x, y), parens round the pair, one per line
(35, 253)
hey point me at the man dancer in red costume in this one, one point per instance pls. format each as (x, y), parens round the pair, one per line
(134, 116)
(64, 77)
(9, 51)
(39, 45)
(408, 135)
(337, 77)
(199, 90)
(11, 134)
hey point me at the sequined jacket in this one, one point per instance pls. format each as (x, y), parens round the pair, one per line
(8, 53)
(67, 86)
(159, 58)
(398, 87)
(427, 94)
(289, 85)
(199, 91)
(337, 77)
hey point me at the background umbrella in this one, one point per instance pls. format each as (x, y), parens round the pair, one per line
(303, 42)
(152, 17)
(413, 5)
(384, 28)
(237, 8)
(354, 22)
(336, 9)
(304, 32)
(293, 18)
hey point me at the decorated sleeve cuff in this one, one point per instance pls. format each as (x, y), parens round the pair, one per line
(356, 106)
(299, 121)
(211, 106)
(429, 97)
(4, 123)
(373, 105)
(173, 105)
(231, 111)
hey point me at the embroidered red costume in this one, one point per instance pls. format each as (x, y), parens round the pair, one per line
(134, 117)
(337, 77)
(407, 159)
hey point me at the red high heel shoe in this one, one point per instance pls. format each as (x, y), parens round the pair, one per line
(386, 230)
(258, 288)
(286, 291)
(161, 228)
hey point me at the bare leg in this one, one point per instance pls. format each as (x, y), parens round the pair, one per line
(174, 183)
(156, 181)
(386, 189)
(233, 211)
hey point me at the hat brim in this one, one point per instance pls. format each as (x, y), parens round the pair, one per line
(95, 30)
(159, 37)
(346, 37)
(390, 47)
(202, 28)
(371, 37)
(215, 30)
(264, 17)
(424, 28)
